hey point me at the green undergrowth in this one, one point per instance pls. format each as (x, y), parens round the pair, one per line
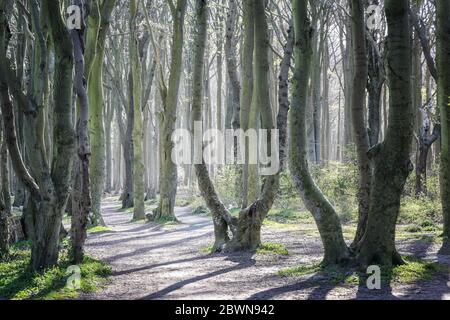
(272, 248)
(99, 229)
(413, 271)
(19, 282)
(166, 221)
(182, 203)
(264, 248)
(207, 250)
(201, 210)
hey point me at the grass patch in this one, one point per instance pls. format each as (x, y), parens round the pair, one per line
(272, 248)
(423, 212)
(332, 274)
(288, 216)
(201, 210)
(207, 250)
(99, 229)
(415, 270)
(166, 221)
(125, 210)
(18, 282)
(281, 226)
(235, 211)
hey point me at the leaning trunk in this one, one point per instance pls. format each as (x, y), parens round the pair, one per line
(326, 218)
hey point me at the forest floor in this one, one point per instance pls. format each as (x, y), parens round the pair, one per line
(153, 261)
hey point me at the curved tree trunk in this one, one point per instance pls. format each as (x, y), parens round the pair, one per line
(326, 218)
(248, 232)
(221, 217)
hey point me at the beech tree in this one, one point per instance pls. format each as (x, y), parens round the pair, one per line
(443, 60)
(391, 158)
(168, 114)
(327, 221)
(48, 183)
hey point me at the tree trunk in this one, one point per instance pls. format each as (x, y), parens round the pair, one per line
(81, 195)
(358, 114)
(425, 141)
(168, 171)
(108, 142)
(5, 198)
(138, 160)
(326, 218)
(391, 161)
(231, 61)
(249, 183)
(326, 125)
(443, 63)
(247, 235)
(283, 96)
(98, 25)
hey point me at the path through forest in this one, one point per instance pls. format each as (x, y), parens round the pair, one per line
(151, 261)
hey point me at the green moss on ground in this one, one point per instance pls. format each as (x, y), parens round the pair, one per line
(414, 270)
(207, 250)
(166, 221)
(18, 282)
(272, 248)
(99, 229)
(332, 274)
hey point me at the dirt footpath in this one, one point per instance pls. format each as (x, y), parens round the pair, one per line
(150, 261)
